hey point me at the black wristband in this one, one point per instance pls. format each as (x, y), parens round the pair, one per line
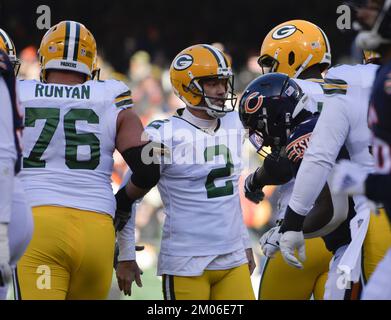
(145, 172)
(124, 203)
(292, 221)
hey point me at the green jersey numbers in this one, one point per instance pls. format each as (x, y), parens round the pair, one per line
(52, 117)
(73, 140)
(157, 123)
(212, 190)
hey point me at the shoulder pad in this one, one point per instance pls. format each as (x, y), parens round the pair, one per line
(120, 93)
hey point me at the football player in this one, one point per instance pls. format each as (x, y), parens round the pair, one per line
(361, 76)
(301, 50)
(205, 252)
(72, 126)
(348, 178)
(15, 215)
(342, 122)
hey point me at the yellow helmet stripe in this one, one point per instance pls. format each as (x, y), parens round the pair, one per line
(67, 28)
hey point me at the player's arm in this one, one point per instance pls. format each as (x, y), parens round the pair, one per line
(327, 139)
(332, 127)
(137, 151)
(276, 170)
(127, 269)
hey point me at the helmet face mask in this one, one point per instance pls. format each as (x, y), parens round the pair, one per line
(194, 66)
(211, 102)
(268, 64)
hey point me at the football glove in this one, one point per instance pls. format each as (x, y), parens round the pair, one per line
(289, 242)
(270, 242)
(252, 190)
(348, 178)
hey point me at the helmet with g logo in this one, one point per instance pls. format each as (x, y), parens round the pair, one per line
(294, 46)
(195, 64)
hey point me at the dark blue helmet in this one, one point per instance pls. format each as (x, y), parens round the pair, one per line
(268, 107)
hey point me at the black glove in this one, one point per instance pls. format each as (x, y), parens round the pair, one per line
(124, 209)
(252, 189)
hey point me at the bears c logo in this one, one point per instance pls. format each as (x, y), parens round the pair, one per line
(284, 32)
(183, 62)
(257, 105)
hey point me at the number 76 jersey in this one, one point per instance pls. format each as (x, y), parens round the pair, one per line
(69, 140)
(199, 186)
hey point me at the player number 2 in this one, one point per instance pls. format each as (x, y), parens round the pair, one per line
(211, 189)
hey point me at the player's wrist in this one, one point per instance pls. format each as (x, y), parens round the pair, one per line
(124, 203)
(292, 221)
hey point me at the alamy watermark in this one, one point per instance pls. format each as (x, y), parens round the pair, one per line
(344, 20)
(44, 19)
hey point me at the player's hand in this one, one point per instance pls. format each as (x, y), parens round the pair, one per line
(251, 260)
(127, 272)
(251, 191)
(289, 242)
(348, 178)
(270, 242)
(5, 268)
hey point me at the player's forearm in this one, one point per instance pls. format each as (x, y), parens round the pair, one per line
(126, 240)
(309, 182)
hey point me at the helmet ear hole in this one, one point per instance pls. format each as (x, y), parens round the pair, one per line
(291, 58)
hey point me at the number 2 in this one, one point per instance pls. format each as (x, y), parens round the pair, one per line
(211, 189)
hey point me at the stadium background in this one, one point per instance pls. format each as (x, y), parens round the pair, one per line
(138, 39)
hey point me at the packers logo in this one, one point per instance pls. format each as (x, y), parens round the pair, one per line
(258, 103)
(183, 62)
(284, 32)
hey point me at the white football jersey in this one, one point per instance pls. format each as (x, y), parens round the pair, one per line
(343, 120)
(69, 140)
(199, 186)
(314, 91)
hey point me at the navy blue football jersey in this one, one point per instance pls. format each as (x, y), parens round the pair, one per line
(378, 185)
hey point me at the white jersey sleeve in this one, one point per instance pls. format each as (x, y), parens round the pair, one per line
(7, 153)
(342, 121)
(120, 93)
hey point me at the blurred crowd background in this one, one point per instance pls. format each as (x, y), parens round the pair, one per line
(137, 41)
